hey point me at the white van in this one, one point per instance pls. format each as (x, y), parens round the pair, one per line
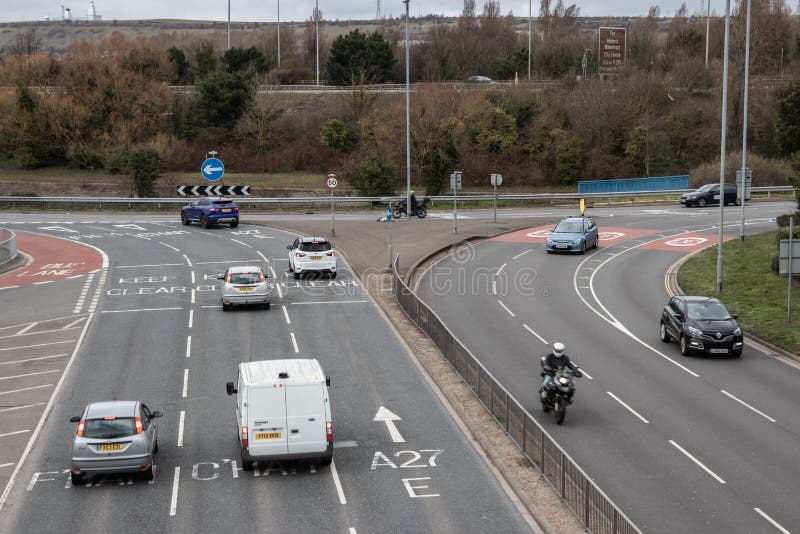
(283, 411)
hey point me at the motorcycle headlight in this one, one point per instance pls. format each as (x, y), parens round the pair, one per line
(737, 332)
(563, 380)
(694, 331)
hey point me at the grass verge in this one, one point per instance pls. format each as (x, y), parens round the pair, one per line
(750, 288)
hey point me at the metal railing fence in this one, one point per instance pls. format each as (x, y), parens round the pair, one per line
(8, 245)
(586, 500)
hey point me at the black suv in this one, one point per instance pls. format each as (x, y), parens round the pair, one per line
(709, 194)
(701, 324)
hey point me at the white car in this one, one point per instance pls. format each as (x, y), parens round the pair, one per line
(312, 254)
(245, 285)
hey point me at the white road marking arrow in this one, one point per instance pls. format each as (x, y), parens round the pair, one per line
(58, 229)
(130, 227)
(208, 169)
(389, 418)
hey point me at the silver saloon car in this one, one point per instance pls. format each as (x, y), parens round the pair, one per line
(245, 285)
(114, 437)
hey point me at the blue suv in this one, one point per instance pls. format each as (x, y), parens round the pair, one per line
(211, 210)
(573, 234)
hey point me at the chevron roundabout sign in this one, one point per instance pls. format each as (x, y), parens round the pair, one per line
(213, 190)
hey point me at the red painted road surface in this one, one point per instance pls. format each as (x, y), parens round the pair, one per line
(53, 259)
(538, 234)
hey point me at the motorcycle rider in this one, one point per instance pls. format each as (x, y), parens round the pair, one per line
(414, 204)
(555, 360)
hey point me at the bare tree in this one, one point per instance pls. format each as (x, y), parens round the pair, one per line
(26, 44)
(469, 9)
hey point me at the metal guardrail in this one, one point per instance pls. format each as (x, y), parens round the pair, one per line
(367, 200)
(8, 245)
(580, 493)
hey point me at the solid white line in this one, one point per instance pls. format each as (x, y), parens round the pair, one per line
(522, 254)
(192, 296)
(241, 243)
(139, 310)
(628, 407)
(501, 268)
(25, 389)
(294, 342)
(185, 382)
(192, 277)
(40, 283)
(759, 412)
(494, 287)
(173, 504)
(9, 287)
(280, 292)
(180, 428)
(30, 374)
(151, 265)
(9, 464)
(272, 272)
(27, 328)
(262, 256)
(286, 314)
(506, 309)
(765, 516)
(583, 371)
(45, 413)
(38, 345)
(332, 302)
(188, 346)
(337, 483)
(191, 318)
(169, 246)
(14, 433)
(33, 333)
(73, 323)
(34, 359)
(226, 261)
(695, 460)
(188, 261)
(74, 276)
(12, 408)
(529, 329)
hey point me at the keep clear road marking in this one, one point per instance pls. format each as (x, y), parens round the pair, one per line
(173, 505)
(628, 407)
(389, 418)
(695, 460)
(765, 516)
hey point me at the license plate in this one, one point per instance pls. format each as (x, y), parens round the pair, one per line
(562, 246)
(245, 289)
(110, 447)
(718, 351)
(269, 435)
(226, 210)
(315, 257)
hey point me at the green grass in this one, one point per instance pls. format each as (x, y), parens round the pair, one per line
(750, 288)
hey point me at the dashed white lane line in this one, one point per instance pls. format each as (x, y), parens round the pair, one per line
(84, 291)
(9, 287)
(698, 462)
(100, 283)
(180, 428)
(765, 516)
(740, 401)
(192, 296)
(25, 389)
(262, 256)
(294, 342)
(521, 254)
(45, 282)
(583, 371)
(338, 483)
(188, 346)
(226, 261)
(38, 345)
(191, 318)
(241, 243)
(169, 246)
(634, 412)
(30, 374)
(272, 272)
(13, 408)
(278, 287)
(529, 329)
(27, 328)
(188, 261)
(192, 277)
(185, 383)
(173, 504)
(505, 308)
(286, 314)
(14, 433)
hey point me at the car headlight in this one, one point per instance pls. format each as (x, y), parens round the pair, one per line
(694, 331)
(737, 332)
(577, 242)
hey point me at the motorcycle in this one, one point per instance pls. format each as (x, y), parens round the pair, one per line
(559, 391)
(421, 210)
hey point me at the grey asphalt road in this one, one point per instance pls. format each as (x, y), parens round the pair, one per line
(680, 444)
(158, 334)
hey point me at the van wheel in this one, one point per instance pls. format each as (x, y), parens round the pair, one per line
(148, 475)
(247, 461)
(266, 306)
(333, 275)
(325, 460)
(77, 480)
(296, 275)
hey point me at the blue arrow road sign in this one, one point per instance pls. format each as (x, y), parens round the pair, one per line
(388, 213)
(212, 169)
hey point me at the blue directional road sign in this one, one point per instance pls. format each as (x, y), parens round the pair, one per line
(212, 169)
(389, 213)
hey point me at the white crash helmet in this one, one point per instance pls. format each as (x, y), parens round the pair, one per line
(558, 348)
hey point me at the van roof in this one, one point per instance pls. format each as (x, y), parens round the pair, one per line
(268, 371)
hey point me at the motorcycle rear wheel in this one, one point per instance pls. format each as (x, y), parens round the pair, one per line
(545, 407)
(421, 212)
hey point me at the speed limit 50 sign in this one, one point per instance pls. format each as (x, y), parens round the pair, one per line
(332, 182)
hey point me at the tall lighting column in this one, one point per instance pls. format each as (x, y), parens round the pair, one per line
(708, 29)
(316, 31)
(229, 25)
(408, 124)
(530, 23)
(744, 126)
(279, 33)
(722, 143)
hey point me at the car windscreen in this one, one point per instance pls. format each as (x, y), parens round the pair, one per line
(315, 247)
(707, 311)
(706, 188)
(118, 427)
(245, 278)
(569, 227)
(223, 202)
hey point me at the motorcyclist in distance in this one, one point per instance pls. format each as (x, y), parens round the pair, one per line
(555, 360)
(413, 206)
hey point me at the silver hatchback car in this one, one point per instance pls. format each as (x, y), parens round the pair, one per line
(245, 285)
(114, 437)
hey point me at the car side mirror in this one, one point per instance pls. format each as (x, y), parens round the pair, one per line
(230, 389)
(75, 419)
(156, 414)
(328, 381)
(288, 247)
(735, 315)
(220, 277)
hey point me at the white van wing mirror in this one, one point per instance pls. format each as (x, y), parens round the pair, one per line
(230, 389)
(328, 381)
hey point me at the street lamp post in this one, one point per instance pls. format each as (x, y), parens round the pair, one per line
(708, 29)
(744, 125)
(408, 123)
(722, 143)
(530, 23)
(279, 33)
(316, 31)
(229, 25)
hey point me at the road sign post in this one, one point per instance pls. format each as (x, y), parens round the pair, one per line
(389, 231)
(332, 182)
(743, 193)
(496, 179)
(455, 185)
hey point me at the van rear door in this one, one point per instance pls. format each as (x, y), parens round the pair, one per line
(266, 414)
(305, 418)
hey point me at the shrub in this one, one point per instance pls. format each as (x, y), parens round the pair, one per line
(373, 176)
(335, 134)
(84, 157)
(144, 166)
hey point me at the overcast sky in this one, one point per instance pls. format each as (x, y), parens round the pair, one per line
(266, 10)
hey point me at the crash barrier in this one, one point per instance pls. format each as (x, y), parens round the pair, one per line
(8, 245)
(586, 500)
(627, 185)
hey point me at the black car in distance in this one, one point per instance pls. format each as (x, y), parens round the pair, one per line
(701, 325)
(709, 194)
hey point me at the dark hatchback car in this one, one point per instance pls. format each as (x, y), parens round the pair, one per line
(701, 325)
(709, 194)
(211, 210)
